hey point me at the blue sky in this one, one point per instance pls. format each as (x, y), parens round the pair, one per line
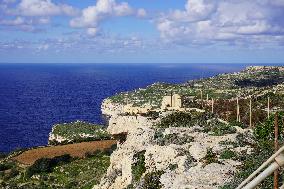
(142, 31)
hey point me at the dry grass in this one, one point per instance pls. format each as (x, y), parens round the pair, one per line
(75, 150)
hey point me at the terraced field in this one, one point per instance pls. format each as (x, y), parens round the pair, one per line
(75, 150)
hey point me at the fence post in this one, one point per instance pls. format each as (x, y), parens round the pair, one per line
(212, 105)
(238, 111)
(276, 147)
(250, 113)
(268, 107)
(171, 98)
(201, 97)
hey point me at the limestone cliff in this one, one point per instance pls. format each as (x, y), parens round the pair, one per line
(181, 162)
(186, 148)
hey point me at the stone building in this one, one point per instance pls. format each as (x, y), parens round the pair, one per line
(172, 102)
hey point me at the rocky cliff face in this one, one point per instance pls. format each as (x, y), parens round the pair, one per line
(174, 157)
(205, 152)
(110, 108)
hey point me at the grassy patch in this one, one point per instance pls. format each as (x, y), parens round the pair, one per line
(263, 149)
(217, 128)
(164, 140)
(138, 167)
(46, 165)
(79, 173)
(183, 119)
(152, 180)
(177, 119)
(210, 157)
(228, 154)
(79, 131)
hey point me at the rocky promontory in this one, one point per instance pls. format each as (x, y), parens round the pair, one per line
(203, 143)
(205, 133)
(75, 132)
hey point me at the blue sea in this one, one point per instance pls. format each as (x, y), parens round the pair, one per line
(33, 97)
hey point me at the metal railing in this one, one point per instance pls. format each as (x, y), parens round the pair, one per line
(266, 169)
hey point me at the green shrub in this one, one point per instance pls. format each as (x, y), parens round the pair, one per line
(222, 129)
(228, 154)
(3, 167)
(218, 128)
(46, 165)
(6, 165)
(210, 157)
(177, 119)
(251, 162)
(152, 180)
(263, 149)
(153, 115)
(225, 187)
(244, 139)
(265, 131)
(238, 124)
(172, 167)
(138, 167)
(12, 173)
(183, 119)
(163, 139)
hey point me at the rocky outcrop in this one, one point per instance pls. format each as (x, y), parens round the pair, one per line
(110, 109)
(182, 165)
(75, 132)
(127, 124)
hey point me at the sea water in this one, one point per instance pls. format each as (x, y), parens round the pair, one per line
(33, 97)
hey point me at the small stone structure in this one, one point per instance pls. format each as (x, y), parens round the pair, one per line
(172, 102)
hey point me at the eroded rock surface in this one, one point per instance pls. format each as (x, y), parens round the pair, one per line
(185, 164)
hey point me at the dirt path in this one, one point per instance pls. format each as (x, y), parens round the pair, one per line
(75, 150)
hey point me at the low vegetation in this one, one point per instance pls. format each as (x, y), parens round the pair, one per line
(263, 149)
(46, 165)
(152, 180)
(57, 172)
(167, 139)
(78, 131)
(218, 128)
(138, 168)
(210, 157)
(228, 154)
(184, 119)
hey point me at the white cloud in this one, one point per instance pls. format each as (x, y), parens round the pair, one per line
(15, 22)
(43, 8)
(92, 31)
(27, 24)
(195, 10)
(141, 13)
(226, 20)
(91, 16)
(31, 15)
(43, 47)
(43, 20)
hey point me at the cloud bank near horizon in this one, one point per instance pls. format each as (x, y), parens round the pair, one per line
(122, 28)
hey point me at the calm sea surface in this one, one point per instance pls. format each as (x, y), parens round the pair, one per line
(33, 97)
